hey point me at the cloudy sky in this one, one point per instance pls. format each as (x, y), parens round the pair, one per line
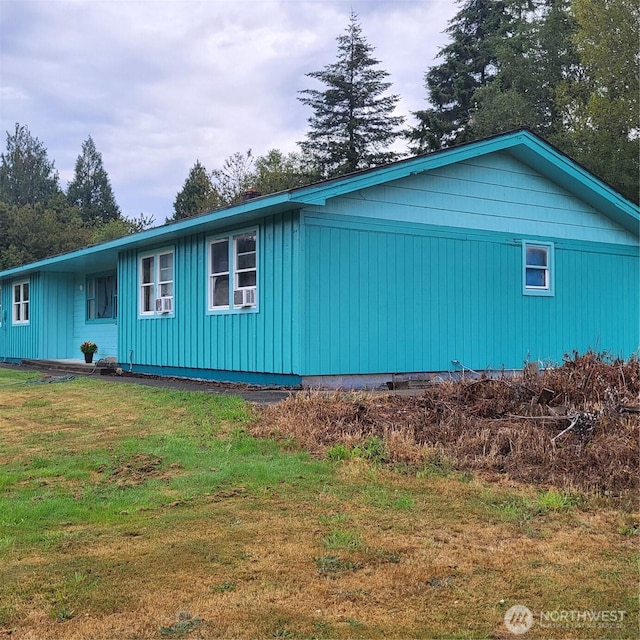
(159, 84)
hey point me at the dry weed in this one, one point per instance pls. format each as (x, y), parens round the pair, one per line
(575, 426)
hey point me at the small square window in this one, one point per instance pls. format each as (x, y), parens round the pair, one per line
(537, 267)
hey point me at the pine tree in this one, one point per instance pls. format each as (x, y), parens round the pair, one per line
(90, 190)
(197, 194)
(469, 63)
(352, 126)
(27, 176)
(532, 64)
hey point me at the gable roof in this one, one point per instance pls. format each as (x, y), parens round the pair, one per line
(522, 144)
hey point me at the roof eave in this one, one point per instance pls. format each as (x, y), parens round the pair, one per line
(522, 144)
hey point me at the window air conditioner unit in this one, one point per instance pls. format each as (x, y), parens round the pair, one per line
(164, 304)
(245, 297)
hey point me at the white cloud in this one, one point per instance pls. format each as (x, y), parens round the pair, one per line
(161, 83)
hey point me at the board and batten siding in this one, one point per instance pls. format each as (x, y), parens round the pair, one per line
(262, 340)
(47, 335)
(103, 332)
(386, 297)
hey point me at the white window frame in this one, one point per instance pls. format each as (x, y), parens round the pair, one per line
(548, 269)
(21, 308)
(234, 271)
(213, 275)
(157, 286)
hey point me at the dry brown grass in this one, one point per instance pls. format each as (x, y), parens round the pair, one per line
(507, 426)
(249, 568)
(353, 550)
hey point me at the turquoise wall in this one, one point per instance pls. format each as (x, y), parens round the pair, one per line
(490, 193)
(406, 276)
(103, 332)
(48, 333)
(52, 313)
(384, 297)
(261, 340)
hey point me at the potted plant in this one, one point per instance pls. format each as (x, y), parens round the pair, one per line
(88, 348)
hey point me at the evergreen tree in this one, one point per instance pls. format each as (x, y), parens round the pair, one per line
(197, 194)
(90, 190)
(532, 64)
(27, 176)
(36, 231)
(352, 126)
(469, 62)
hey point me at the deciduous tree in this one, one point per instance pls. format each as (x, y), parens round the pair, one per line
(601, 108)
(277, 171)
(36, 231)
(234, 178)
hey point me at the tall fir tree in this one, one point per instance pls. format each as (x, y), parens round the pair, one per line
(469, 62)
(196, 195)
(532, 64)
(352, 126)
(90, 190)
(27, 176)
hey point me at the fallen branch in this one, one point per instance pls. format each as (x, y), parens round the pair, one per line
(573, 424)
(547, 417)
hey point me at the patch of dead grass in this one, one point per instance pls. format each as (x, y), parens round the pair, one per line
(445, 566)
(439, 578)
(507, 426)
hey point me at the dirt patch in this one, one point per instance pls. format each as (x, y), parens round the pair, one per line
(575, 426)
(138, 469)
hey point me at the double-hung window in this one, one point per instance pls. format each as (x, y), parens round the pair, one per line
(219, 274)
(102, 297)
(20, 313)
(233, 272)
(156, 283)
(537, 268)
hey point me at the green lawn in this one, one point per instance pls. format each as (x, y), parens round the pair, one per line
(135, 512)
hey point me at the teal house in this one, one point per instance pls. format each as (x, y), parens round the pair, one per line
(481, 256)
